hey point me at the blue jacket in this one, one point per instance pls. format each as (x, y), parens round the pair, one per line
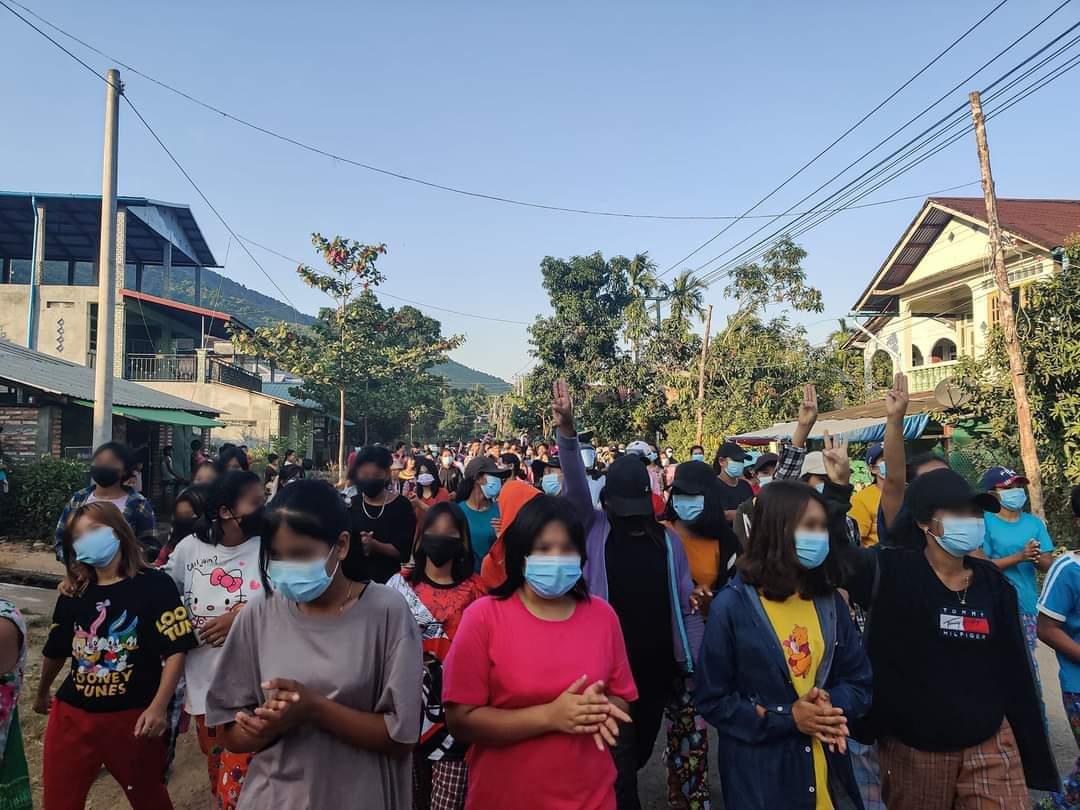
(766, 763)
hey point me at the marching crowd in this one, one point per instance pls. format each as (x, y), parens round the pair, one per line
(506, 625)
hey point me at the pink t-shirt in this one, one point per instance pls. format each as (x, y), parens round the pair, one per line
(505, 657)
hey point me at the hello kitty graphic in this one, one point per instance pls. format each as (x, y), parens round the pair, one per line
(214, 591)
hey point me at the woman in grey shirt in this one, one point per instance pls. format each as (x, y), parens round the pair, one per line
(321, 679)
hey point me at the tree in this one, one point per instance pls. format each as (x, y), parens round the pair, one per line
(359, 352)
(686, 300)
(642, 281)
(462, 414)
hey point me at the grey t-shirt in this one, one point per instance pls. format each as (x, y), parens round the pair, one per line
(367, 658)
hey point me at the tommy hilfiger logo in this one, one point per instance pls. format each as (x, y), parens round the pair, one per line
(964, 623)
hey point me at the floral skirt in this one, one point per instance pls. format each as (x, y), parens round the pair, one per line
(686, 754)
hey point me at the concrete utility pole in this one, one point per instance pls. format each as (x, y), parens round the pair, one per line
(103, 361)
(1028, 451)
(701, 378)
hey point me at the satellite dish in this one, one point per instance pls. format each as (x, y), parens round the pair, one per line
(949, 395)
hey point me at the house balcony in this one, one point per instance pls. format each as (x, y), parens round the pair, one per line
(186, 368)
(926, 378)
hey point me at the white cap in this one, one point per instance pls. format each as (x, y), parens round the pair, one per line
(639, 448)
(814, 463)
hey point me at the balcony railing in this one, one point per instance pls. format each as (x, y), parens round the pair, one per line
(926, 378)
(228, 374)
(160, 367)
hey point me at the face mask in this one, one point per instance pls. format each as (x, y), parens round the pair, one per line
(735, 468)
(425, 479)
(669, 453)
(97, 548)
(697, 457)
(1013, 499)
(441, 548)
(105, 476)
(181, 528)
(252, 525)
(551, 484)
(652, 456)
(764, 479)
(688, 507)
(552, 576)
(961, 535)
(447, 460)
(881, 469)
(820, 487)
(301, 581)
(491, 487)
(370, 486)
(811, 547)
(588, 457)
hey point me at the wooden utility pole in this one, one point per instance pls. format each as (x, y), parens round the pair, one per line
(701, 378)
(1028, 451)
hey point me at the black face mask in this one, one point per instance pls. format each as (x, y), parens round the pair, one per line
(105, 476)
(251, 525)
(370, 486)
(181, 528)
(441, 548)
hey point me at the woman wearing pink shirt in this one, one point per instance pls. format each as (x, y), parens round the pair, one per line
(538, 675)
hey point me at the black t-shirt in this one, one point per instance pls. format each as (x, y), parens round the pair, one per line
(638, 590)
(732, 497)
(939, 657)
(117, 636)
(393, 523)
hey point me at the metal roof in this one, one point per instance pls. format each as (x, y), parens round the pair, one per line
(44, 372)
(280, 390)
(73, 227)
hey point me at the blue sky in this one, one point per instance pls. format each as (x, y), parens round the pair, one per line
(681, 108)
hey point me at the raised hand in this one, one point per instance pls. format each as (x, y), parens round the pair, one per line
(896, 398)
(562, 408)
(837, 463)
(808, 410)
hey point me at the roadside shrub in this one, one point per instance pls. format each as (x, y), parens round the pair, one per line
(37, 493)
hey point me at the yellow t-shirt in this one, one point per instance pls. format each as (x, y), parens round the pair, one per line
(864, 509)
(795, 622)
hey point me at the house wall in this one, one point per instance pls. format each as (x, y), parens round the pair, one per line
(250, 418)
(957, 246)
(14, 300)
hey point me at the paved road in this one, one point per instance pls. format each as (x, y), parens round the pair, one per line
(653, 784)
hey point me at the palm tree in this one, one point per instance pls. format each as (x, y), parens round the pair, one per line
(686, 296)
(641, 279)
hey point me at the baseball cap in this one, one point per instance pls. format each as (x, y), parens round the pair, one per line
(485, 465)
(732, 452)
(814, 464)
(1002, 478)
(627, 490)
(693, 478)
(764, 460)
(639, 447)
(945, 489)
(874, 452)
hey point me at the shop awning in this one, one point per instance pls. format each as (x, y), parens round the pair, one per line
(865, 429)
(164, 416)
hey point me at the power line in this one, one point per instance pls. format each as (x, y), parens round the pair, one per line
(837, 140)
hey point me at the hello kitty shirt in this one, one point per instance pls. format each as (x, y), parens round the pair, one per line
(117, 636)
(213, 580)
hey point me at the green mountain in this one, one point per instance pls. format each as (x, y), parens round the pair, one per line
(255, 309)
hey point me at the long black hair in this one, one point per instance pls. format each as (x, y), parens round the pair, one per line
(522, 533)
(463, 566)
(194, 496)
(427, 465)
(465, 488)
(223, 492)
(311, 507)
(769, 561)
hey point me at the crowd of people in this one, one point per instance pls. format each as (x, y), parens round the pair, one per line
(513, 625)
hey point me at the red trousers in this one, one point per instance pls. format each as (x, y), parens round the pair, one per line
(226, 769)
(79, 743)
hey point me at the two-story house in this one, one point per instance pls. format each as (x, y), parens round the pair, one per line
(934, 299)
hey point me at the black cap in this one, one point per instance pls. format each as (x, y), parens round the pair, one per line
(627, 489)
(553, 461)
(485, 465)
(733, 452)
(693, 478)
(945, 489)
(585, 437)
(764, 460)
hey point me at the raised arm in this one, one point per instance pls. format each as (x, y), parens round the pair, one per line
(892, 489)
(575, 481)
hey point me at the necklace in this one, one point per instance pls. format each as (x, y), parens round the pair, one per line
(367, 514)
(348, 599)
(962, 596)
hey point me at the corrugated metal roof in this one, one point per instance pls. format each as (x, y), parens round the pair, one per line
(55, 376)
(280, 390)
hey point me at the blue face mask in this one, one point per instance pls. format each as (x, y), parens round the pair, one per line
(551, 484)
(881, 468)
(961, 535)
(301, 581)
(820, 487)
(491, 487)
(688, 507)
(652, 456)
(97, 547)
(735, 468)
(697, 457)
(588, 457)
(764, 479)
(1014, 498)
(811, 547)
(552, 576)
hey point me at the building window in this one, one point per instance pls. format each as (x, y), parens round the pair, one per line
(944, 351)
(20, 271)
(916, 356)
(85, 275)
(91, 319)
(55, 273)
